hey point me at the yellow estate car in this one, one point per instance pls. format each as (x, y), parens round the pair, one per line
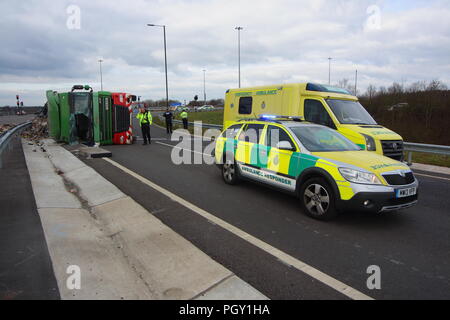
(327, 171)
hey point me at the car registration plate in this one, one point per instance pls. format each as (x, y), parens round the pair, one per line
(402, 193)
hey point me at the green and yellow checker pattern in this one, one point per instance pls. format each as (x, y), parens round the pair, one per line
(286, 164)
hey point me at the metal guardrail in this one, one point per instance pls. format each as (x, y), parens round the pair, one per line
(6, 137)
(410, 147)
(204, 125)
(427, 148)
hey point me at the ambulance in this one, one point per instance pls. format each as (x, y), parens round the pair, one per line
(328, 172)
(330, 106)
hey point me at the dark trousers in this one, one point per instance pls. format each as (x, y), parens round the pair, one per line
(185, 124)
(146, 133)
(169, 126)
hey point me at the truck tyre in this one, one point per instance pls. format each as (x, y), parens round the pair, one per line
(318, 199)
(230, 172)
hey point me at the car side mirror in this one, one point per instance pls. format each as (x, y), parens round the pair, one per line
(285, 145)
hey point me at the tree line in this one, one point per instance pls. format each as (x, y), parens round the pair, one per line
(419, 112)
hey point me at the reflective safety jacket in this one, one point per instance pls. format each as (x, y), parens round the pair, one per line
(144, 118)
(184, 115)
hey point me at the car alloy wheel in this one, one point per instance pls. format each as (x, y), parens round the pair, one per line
(229, 171)
(317, 199)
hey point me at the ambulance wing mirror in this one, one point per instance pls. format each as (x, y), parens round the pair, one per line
(285, 145)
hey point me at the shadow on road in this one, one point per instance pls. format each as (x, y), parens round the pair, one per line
(360, 220)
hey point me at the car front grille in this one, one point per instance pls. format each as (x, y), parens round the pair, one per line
(393, 149)
(398, 180)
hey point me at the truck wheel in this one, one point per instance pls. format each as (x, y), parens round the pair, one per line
(318, 199)
(230, 172)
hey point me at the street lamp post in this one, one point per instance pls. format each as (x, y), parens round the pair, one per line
(204, 85)
(329, 71)
(101, 73)
(165, 61)
(239, 52)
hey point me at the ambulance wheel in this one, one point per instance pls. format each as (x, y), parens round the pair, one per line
(318, 199)
(230, 172)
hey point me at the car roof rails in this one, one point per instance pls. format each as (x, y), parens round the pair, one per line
(247, 119)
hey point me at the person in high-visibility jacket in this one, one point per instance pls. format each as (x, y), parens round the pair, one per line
(145, 121)
(184, 117)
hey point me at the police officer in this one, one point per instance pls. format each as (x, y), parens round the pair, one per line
(169, 117)
(184, 117)
(145, 121)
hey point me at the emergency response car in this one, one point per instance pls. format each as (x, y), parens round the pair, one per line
(327, 171)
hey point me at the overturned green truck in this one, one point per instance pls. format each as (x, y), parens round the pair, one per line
(91, 118)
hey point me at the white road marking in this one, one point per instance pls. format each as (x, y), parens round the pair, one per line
(436, 177)
(176, 147)
(280, 255)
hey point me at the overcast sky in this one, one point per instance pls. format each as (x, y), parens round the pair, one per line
(44, 46)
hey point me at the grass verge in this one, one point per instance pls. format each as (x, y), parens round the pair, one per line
(428, 158)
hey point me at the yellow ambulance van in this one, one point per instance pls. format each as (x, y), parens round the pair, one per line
(322, 104)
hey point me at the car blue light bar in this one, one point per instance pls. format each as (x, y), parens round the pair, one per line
(279, 117)
(268, 116)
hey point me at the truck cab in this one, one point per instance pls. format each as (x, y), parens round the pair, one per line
(122, 125)
(88, 117)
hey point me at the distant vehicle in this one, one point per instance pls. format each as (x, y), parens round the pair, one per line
(322, 104)
(180, 108)
(327, 171)
(206, 108)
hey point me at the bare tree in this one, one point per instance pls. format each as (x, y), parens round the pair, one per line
(345, 84)
(417, 86)
(435, 85)
(371, 92)
(395, 88)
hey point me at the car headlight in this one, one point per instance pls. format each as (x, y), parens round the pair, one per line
(359, 176)
(370, 143)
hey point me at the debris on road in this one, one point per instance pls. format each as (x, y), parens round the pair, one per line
(5, 127)
(37, 131)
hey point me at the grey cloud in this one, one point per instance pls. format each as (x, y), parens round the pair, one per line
(282, 41)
